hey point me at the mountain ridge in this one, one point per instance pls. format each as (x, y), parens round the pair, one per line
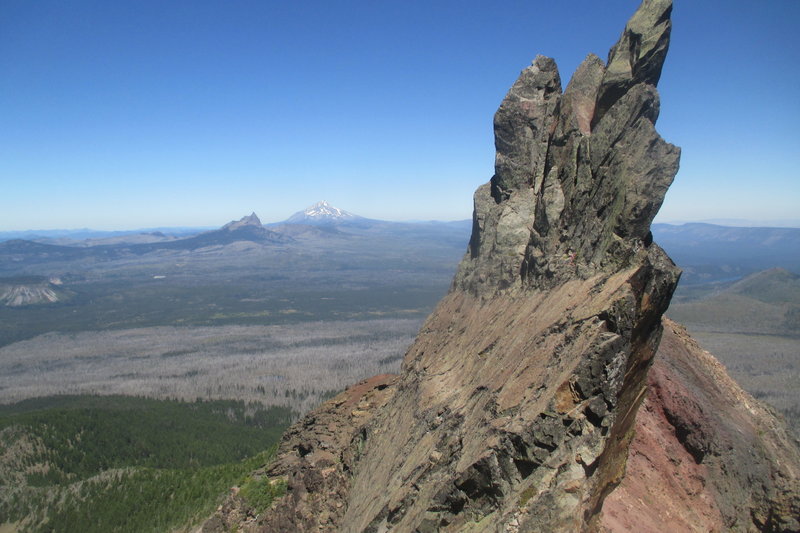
(700, 443)
(515, 407)
(248, 228)
(764, 303)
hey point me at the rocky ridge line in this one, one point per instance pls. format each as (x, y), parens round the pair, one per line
(516, 405)
(706, 455)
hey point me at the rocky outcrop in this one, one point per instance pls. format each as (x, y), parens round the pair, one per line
(311, 458)
(516, 405)
(706, 455)
(25, 291)
(579, 176)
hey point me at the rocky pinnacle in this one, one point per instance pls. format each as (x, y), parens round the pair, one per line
(516, 404)
(579, 175)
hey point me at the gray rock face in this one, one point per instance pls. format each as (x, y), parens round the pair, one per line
(579, 176)
(638, 55)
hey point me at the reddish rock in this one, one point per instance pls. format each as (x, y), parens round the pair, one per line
(706, 455)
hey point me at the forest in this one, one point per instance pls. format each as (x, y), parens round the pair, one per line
(117, 463)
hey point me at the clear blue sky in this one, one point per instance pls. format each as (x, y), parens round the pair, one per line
(122, 114)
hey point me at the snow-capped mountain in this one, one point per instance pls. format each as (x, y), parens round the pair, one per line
(322, 213)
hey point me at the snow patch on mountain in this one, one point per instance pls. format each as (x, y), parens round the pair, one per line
(321, 213)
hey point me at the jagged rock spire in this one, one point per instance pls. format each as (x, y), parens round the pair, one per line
(639, 54)
(579, 176)
(515, 405)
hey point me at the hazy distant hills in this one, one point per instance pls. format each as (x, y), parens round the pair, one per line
(753, 326)
(20, 251)
(710, 253)
(102, 238)
(767, 303)
(347, 238)
(707, 253)
(241, 273)
(90, 237)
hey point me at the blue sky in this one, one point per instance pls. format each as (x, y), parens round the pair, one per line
(192, 113)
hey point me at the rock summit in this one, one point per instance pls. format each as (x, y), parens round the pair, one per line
(516, 405)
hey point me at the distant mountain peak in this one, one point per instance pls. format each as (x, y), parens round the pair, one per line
(250, 220)
(247, 228)
(321, 213)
